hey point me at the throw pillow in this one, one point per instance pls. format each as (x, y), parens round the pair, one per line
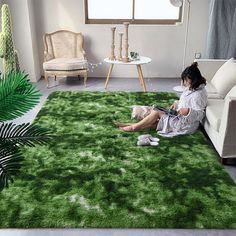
(225, 77)
(139, 112)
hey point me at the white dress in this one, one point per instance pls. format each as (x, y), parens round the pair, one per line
(178, 125)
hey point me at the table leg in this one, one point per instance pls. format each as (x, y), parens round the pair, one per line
(140, 73)
(139, 77)
(108, 75)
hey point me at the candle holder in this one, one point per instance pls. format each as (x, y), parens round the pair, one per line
(126, 45)
(112, 56)
(120, 47)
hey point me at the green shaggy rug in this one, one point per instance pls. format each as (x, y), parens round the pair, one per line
(93, 175)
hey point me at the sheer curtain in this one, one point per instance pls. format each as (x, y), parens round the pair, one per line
(221, 38)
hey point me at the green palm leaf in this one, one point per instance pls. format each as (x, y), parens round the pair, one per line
(23, 134)
(10, 160)
(17, 96)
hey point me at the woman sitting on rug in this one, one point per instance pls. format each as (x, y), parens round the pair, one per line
(190, 107)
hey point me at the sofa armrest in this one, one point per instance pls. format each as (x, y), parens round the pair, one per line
(228, 127)
(209, 67)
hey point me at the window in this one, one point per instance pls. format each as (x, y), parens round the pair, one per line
(134, 11)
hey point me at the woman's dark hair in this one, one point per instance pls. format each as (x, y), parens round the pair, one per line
(193, 73)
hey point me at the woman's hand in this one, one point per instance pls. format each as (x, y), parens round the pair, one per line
(184, 111)
(174, 106)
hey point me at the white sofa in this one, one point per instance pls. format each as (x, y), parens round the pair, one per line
(220, 121)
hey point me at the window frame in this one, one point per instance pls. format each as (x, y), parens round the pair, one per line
(133, 21)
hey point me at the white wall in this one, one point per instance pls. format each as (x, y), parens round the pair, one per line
(163, 43)
(34, 40)
(1, 64)
(24, 37)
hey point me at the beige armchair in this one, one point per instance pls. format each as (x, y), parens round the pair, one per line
(64, 55)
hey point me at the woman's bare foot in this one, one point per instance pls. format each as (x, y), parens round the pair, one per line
(129, 128)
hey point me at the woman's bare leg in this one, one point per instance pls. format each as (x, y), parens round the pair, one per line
(121, 124)
(148, 122)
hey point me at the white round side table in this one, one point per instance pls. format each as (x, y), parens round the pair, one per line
(138, 63)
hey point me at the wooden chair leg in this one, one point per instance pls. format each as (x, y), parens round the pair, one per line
(46, 79)
(85, 80)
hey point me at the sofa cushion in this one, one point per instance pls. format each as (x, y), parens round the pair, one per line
(210, 88)
(214, 111)
(225, 77)
(65, 64)
(212, 91)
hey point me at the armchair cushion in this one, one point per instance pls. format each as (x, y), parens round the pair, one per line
(225, 78)
(65, 64)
